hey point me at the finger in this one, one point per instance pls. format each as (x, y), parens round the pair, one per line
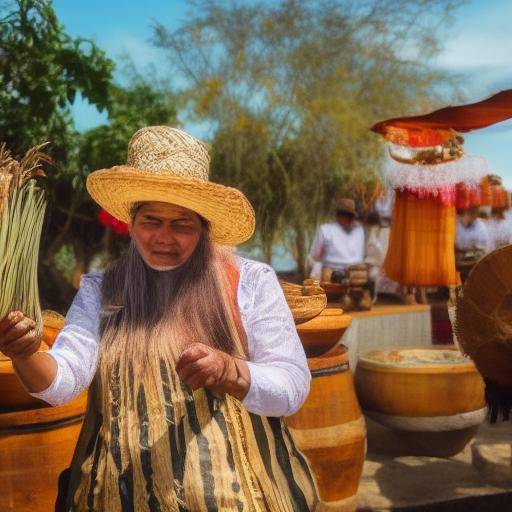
(191, 354)
(10, 320)
(210, 381)
(20, 329)
(22, 346)
(192, 368)
(30, 349)
(198, 380)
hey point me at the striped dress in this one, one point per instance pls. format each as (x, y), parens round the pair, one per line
(196, 453)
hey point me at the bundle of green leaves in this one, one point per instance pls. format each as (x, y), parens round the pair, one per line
(22, 207)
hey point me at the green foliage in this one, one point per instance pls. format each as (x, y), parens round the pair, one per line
(292, 88)
(142, 104)
(41, 70)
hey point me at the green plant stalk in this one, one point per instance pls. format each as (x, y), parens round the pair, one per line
(20, 233)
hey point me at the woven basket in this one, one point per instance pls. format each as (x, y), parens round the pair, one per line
(484, 316)
(303, 307)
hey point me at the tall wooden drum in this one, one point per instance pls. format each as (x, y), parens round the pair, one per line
(36, 445)
(330, 431)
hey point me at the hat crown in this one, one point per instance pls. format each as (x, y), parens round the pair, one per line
(170, 151)
(346, 205)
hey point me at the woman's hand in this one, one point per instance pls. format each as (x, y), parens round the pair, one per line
(18, 338)
(203, 366)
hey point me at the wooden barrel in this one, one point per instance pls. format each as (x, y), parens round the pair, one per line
(433, 396)
(36, 445)
(13, 396)
(330, 431)
(323, 332)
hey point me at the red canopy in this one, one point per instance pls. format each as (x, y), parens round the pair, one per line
(438, 126)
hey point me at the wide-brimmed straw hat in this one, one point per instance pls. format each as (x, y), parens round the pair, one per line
(346, 206)
(167, 165)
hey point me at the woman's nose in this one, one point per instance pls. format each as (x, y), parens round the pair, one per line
(165, 236)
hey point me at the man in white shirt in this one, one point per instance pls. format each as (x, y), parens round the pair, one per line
(338, 245)
(472, 232)
(499, 228)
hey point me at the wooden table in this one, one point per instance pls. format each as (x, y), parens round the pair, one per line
(394, 325)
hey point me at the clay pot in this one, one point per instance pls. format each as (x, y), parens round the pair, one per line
(334, 291)
(323, 332)
(36, 446)
(53, 322)
(330, 431)
(432, 397)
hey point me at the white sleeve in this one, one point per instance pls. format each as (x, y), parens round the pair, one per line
(76, 348)
(280, 377)
(482, 236)
(317, 247)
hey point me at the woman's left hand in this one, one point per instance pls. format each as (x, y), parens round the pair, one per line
(203, 366)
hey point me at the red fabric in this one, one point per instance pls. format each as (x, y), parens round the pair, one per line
(107, 220)
(467, 196)
(421, 130)
(445, 195)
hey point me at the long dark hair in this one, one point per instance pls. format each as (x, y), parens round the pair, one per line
(146, 311)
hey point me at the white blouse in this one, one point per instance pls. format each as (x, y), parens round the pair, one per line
(280, 377)
(337, 248)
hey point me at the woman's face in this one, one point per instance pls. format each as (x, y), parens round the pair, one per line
(165, 234)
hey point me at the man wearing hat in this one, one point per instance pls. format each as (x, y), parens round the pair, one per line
(340, 244)
(190, 353)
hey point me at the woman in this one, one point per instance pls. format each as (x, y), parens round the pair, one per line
(190, 353)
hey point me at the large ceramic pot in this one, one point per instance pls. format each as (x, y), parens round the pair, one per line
(323, 332)
(329, 430)
(36, 446)
(13, 396)
(432, 397)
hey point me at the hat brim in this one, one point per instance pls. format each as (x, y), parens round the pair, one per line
(230, 214)
(483, 325)
(341, 211)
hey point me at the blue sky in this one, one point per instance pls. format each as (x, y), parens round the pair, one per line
(479, 47)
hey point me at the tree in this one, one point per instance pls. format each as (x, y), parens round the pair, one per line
(76, 222)
(291, 88)
(41, 70)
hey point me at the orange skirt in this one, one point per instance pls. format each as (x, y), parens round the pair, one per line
(421, 248)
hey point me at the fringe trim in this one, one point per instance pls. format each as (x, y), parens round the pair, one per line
(467, 169)
(499, 401)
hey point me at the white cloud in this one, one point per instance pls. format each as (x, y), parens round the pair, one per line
(479, 46)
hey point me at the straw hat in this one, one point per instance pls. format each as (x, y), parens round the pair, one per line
(484, 325)
(347, 206)
(165, 164)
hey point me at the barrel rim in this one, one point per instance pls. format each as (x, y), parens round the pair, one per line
(384, 367)
(42, 415)
(344, 322)
(336, 356)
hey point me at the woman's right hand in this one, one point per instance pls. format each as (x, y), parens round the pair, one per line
(18, 339)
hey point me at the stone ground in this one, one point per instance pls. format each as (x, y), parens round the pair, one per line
(477, 479)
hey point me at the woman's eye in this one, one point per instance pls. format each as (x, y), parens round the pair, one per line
(183, 227)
